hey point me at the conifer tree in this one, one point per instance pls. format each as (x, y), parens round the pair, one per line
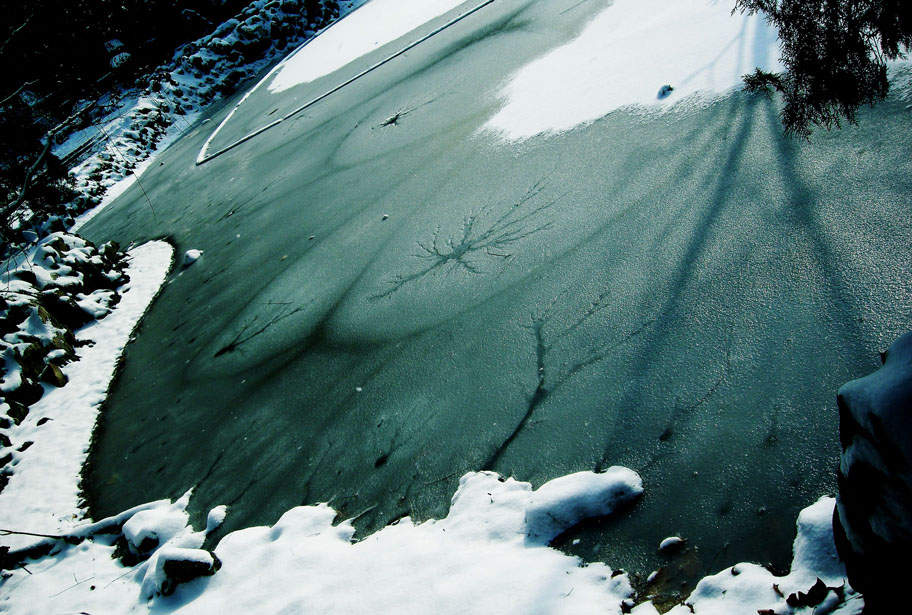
(835, 54)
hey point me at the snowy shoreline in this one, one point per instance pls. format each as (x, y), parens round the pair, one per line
(43, 492)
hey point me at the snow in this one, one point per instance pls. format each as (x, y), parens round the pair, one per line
(156, 526)
(476, 560)
(370, 27)
(563, 502)
(626, 54)
(875, 471)
(749, 588)
(216, 517)
(43, 492)
(672, 542)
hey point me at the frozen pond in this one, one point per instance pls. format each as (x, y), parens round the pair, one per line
(389, 297)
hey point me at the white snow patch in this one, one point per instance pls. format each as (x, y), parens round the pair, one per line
(370, 27)
(563, 502)
(626, 54)
(43, 493)
(476, 560)
(671, 542)
(158, 526)
(216, 517)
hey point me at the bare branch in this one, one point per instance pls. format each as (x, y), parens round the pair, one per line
(18, 90)
(15, 32)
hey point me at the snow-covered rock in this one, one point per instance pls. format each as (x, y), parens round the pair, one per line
(671, 544)
(190, 257)
(175, 565)
(66, 283)
(564, 502)
(149, 529)
(875, 474)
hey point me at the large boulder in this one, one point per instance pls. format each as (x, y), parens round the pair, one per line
(873, 520)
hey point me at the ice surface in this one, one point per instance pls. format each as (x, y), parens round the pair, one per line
(685, 303)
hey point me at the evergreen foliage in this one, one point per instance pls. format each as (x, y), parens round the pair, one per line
(835, 55)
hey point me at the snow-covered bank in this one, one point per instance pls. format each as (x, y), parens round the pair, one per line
(489, 555)
(625, 56)
(149, 118)
(43, 492)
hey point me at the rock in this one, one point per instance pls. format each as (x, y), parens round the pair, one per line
(27, 394)
(173, 566)
(53, 375)
(190, 257)
(180, 569)
(64, 310)
(26, 275)
(672, 544)
(17, 411)
(872, 522)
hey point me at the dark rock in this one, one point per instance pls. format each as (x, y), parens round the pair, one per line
(179, 570)
(63, 310)
(14, 317)
(31, 361)
(811, 598)
(147, 545)
(872, 524)
(17, 411)
(27, 394)
(26, 275)
(53, 375)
